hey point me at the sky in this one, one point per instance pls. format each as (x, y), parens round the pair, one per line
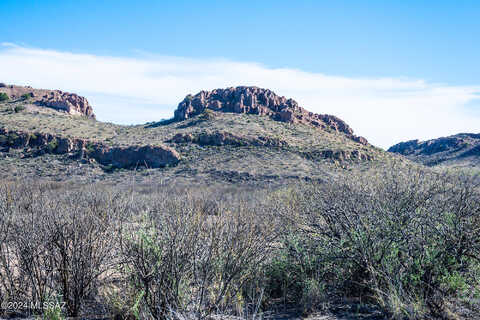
(393, 70)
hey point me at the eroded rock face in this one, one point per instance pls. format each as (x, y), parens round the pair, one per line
(116, 156)
(263, 102)
(69, 102)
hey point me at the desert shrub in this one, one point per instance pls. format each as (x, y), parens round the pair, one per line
(90, 148)
(109, 168)
(156, 255)
(56, 245)
(151, 255)
(19, 109)
(197, 258)
(292, 274)
(52, 145)
(7, 285)
(3, 97)
(23, 263)
(405, 239)
(26, 96)
(12, 137)
(83, 245)
(53, 312)
(207, 114)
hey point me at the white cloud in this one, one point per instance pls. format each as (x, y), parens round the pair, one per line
(147, 88)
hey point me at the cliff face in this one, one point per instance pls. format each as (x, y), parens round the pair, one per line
(34, 144)
(263, 102)
(68, 102)
(453, 149)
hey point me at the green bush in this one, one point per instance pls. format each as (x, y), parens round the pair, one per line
(19, 109)
(12, 137)
(293, 274)
(3, 97)
(109, 168)
(90, 148)
(207, 114)
(52, 145)
(26, 96)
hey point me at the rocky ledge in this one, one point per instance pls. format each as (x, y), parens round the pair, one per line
(115, 156)
(264, 102)
(220, 138)
(64, 101)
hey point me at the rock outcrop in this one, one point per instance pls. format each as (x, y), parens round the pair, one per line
(450, 149)
(115, 156)
(220, 138)
(263, 102)
(69, 102)
(339, 155)
(64, 101)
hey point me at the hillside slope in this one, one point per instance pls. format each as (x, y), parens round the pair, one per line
(56, 99)
(268, 138)
(460, 150)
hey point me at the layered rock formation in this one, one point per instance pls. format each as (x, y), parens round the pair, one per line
(64, 101)
(263, 102)
(456, 148)
(115, 156)
(221, 138)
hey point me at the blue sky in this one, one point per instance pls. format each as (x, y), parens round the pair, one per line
(410, 42)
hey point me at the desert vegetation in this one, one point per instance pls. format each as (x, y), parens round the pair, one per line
(400, 241)
(3, 97)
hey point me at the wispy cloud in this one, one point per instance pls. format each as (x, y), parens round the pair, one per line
(148, 87)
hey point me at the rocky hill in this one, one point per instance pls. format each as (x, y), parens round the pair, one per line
(234, 135)
(460, 150)
(63, 101)
(263, 102)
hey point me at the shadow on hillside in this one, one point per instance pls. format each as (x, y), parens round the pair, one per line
(159, 123)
